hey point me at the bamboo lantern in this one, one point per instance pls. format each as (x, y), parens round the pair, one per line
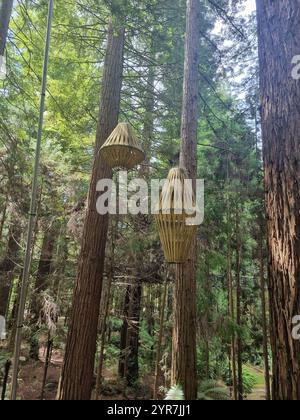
(122, 149)
(176, 234)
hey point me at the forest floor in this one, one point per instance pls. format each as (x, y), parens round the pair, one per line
(31, 377)
(259, 392)
(32, 373)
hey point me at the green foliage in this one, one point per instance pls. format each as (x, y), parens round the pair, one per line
(228, 155)
(208, 390)
(147, 343)
(212, 390)
(249, 381)
(112, 353)
(175, 393)
(114, 323)
(4, 357)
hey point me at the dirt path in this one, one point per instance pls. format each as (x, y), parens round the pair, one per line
(31, 377)
(257, 395)
(259, 392)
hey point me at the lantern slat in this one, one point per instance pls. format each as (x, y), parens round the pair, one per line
(175, 233)
(122, 148)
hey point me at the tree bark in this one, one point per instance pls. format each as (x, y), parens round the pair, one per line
(148, 129)
(231, 313)
(149, 315)
(264, 319)
(159, 340)
(132, 360)
(184, 364)
(15, 308)
(103, 331)
(5, 14)
(3, 216)
(239, 344)
(123, 335)
(5, 379)
(47, 363)
(41, 284)
(12, 322)
(204, 330)
(61, 262)
(105, 302)
(78, 369)
(279, 42)
(7, 267)
(129, 344)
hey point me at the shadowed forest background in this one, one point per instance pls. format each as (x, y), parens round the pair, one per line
(106, 316)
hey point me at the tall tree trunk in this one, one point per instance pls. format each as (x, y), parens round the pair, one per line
(46, 365)
(15, 308)
(149, 316)
(3, 216)
(184, 365)
(5, 14)
(132, 360)
(78, 368)
(7, 267)
(41, 284)
(231, 313)
(6, 369)
(264, 318)
(279, 43)
(148, 128)
(239, 344)
(61, 262)
(159, 340)
(129, 345)
(12, 322)
(103, 331)
(123, 334)
(105, 302)
(206, 333)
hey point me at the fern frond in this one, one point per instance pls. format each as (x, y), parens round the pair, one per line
(175, 393)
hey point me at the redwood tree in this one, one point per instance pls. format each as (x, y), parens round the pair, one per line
(78, 368)
(41, 284)
(279, 43)
(123, 333)
(7, 267)
(132, 360)
(184, 366)
(5, 13)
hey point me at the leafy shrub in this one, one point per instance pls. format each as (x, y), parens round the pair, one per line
(211, 390)
(4, 356)
(175, 394)
(208, 390)
(249, 382)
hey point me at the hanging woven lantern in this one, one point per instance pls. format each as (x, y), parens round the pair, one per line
(122, 149)
(175, 231)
